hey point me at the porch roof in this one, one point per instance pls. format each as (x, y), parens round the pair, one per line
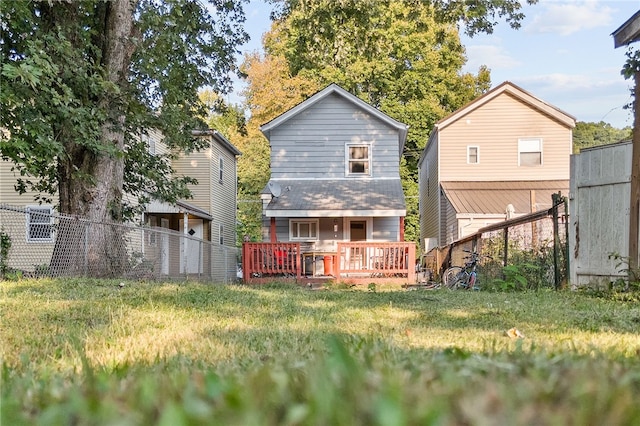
(493, 197)
(337, 198)
(180, 207)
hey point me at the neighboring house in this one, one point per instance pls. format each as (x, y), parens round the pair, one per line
(210, 215)
(500, 156)
(334, 173)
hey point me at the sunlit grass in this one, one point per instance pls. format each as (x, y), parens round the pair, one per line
(92, 352)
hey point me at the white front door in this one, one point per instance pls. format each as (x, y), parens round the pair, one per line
(194, 246)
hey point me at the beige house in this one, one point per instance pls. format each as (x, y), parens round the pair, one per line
(209, 217)
(500, 156)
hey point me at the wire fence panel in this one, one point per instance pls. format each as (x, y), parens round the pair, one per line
(36, 242)
(530, 251)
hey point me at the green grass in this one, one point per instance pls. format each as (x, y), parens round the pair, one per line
(92, 352)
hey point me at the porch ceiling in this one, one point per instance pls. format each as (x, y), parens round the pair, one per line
(337, 197)
(493, 197)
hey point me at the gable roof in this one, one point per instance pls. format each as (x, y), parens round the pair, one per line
(218, 137)
(337, 90)
(628, 32)
(493, 197)
(337, 198)
(515, 91)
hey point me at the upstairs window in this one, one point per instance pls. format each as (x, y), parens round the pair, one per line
(39, 224)
(221, 234)
(529, 152)
(306, 230)
(358, 160)
(473, 155)
(220, 170)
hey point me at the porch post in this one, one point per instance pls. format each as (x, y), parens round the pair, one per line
(402, 228)
(245, 262)
(272, 230)
(185, 233)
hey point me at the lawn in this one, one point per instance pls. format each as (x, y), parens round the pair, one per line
(101, 352)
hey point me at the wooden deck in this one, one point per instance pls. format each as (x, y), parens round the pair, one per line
(352, 263)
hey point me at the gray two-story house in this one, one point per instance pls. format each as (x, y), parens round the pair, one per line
(335, 173)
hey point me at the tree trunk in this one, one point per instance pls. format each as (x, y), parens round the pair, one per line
(91, 181)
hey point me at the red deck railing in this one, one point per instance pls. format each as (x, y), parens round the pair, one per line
(270, 259)
(352, 261)
(376, 260)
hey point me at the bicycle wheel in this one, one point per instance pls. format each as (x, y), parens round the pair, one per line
(451, 276)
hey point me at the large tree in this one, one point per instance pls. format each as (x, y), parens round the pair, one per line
(587, 134)
(402, 56)
(83, 81)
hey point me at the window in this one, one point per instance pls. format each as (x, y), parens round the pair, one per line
(221, 234)
(39, 223)
(529, 152)
(473, 155)
(221, 168)
(303, 230)
(153, 223)
(358, 160)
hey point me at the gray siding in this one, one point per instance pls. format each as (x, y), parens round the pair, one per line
(430, 193)
(312, 144)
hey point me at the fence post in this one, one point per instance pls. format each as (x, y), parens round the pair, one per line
(565, 200)
(556, 240)
(85, 263)
(506, 247)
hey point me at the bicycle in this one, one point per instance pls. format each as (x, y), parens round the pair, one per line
(463, 277)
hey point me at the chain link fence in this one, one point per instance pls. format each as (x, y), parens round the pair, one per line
(37, 242)
(528, 252)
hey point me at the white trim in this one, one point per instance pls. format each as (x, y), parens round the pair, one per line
(516, 91)
(44, 215)
(347, 227)
(469, 147)
(28, 223)
(348, 160)
(530, 145)
(298, 221)
(334, 213)
(289, 179)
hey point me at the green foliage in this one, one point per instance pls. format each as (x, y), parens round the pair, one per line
(91, 352)
(586, 134)
(5, 245)
(515, 277)
(632, 280)
(72, 112)
(402, 57)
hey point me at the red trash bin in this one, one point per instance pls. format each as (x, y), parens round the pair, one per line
(328, 265)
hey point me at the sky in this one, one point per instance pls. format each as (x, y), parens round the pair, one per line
(562, 54)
